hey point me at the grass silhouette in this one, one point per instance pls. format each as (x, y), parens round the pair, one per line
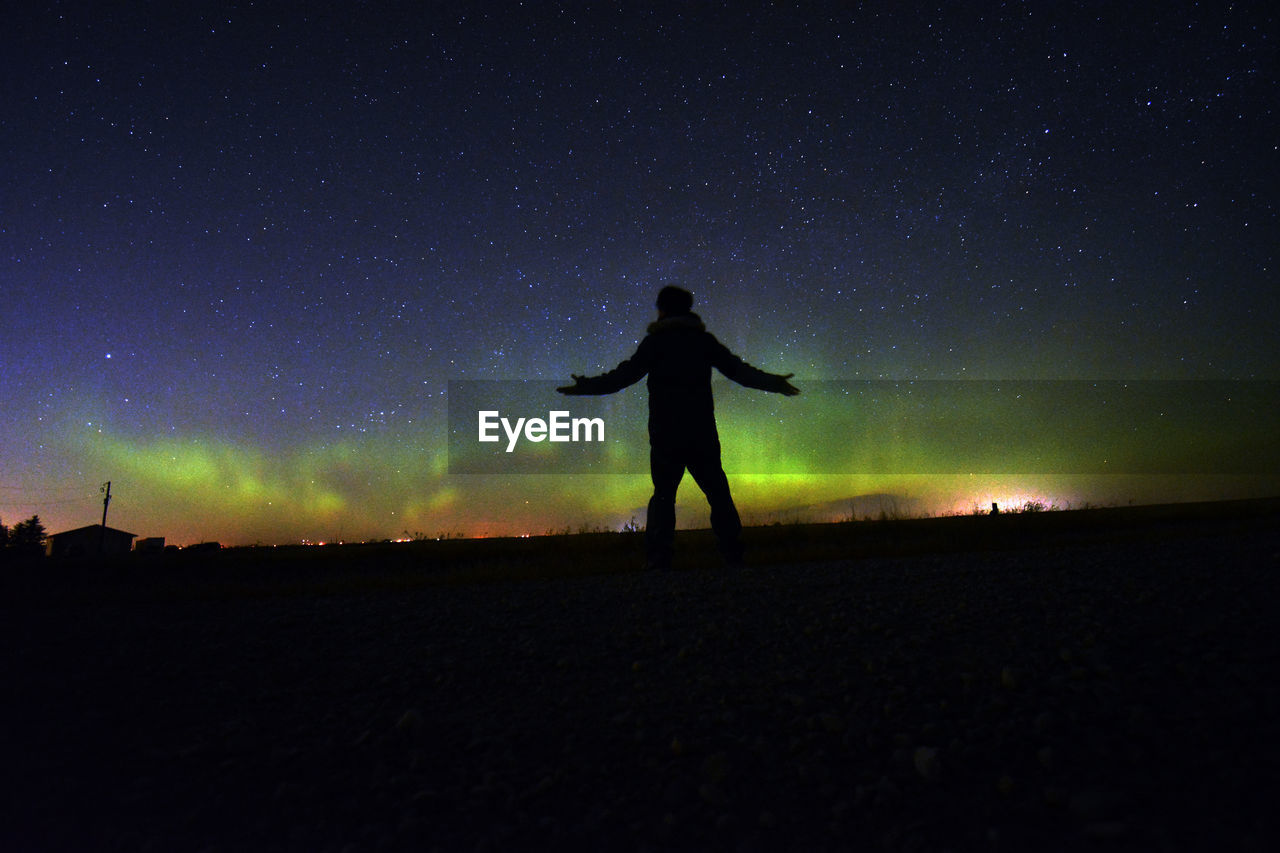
(242, 572)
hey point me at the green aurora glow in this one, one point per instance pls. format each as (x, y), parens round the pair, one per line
(805, 458)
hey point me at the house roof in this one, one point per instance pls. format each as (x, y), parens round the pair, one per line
(95, 528)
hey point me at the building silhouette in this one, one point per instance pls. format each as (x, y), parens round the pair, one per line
(92, 541)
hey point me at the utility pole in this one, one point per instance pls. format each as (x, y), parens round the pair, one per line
(106, 501)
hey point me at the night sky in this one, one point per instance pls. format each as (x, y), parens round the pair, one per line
(245, 248)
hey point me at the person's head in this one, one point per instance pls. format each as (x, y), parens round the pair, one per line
(674, 300)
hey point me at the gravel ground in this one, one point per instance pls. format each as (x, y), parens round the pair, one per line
(1078, 697)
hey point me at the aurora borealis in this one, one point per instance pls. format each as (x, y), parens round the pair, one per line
(246, 248)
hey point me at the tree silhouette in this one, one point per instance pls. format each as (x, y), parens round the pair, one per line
(25, 539)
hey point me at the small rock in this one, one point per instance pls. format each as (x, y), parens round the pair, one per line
(410, 722)
(927, 762)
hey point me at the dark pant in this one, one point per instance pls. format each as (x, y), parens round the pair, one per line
(667, 464)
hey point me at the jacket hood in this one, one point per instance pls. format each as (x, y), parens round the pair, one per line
(679, 322)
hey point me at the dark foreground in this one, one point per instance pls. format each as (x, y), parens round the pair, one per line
(1079, 695)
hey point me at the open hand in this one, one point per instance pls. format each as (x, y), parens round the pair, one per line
(575, 388)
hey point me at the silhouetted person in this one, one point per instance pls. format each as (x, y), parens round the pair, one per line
(677, 355)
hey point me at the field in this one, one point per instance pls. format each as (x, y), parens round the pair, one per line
(1097, 680)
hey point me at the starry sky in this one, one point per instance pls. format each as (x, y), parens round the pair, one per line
(246, 247)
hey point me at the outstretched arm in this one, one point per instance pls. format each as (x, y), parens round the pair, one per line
(776, 382)
(627, 373)
(752, 377)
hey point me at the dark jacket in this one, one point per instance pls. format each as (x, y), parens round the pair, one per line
(677, 355)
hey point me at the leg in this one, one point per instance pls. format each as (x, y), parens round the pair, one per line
(708, 473)
(667, 469)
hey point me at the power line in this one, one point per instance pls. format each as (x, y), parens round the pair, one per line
(64, 502)
(68, 495)
(60, 493)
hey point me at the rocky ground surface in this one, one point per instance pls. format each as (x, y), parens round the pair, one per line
(1076, 697)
